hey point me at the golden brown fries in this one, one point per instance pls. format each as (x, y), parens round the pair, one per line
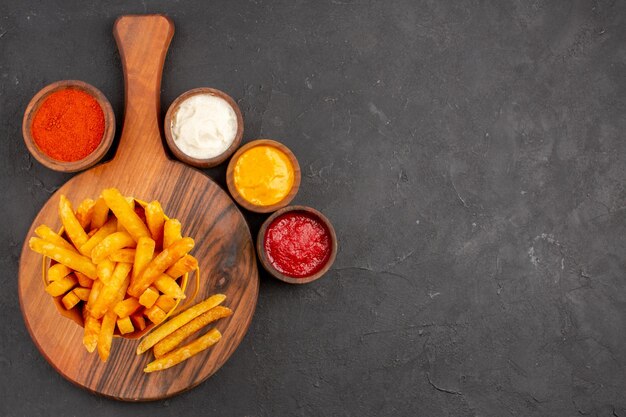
(58, 271)
(105, 270)
(167, 285)
(84, 212)
(70, 299)
(184, 265)
(49, 235)
(126, 307)
(123, 255)
(108, 228)
(179, 320)
(108, 293)
(105, 248)
(92, 330)
(105, 337)
(155, 217)
(143, 255)
(139, 321)
(111, 243)
(82, 293)
(155, 314)
(72, 226)
(183, 353)
(100, 214)
(61, 285)
(84, 280)
(125, 325)
(173, 340)
(159, 264)
(125, 214)
(149, 297)
(171, 232)
(63, 256)
(165, 302)
(93, 295)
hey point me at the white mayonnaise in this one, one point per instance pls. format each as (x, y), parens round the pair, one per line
(204, 126)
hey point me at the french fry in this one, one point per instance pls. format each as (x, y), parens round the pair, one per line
(51, 236)
(111, 243)
(70, 300)
(125, 214)
(165, 302)
(84, 280)
(126, 307)
(155, 219)
(58, 271)
(72, 227)
(159, 264)
(139, 322)
(183, 353)
(149, 297)
(185, 264)
(167, 285)
(179, 320)
(100, 213)
(104, 231)
(82, 293)
(171, 232)
(108, 293)
(123, 255)
(143, 255)
(105, 337)
(170, 342)
(90, 335)
(84, 212)
(61, 285)
(63, 256)
(105, 271)
(155, 314)
(93, 295)
(125, 325)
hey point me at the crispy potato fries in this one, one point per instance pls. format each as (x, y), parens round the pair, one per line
(167, 338)
(106, 258)
(185, 352)
(180, 320)
(174, 339)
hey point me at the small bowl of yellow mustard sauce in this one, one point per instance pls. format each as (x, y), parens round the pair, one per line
(263, 176)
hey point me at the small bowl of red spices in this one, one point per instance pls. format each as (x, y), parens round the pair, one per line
(68, 126)
(297, 244)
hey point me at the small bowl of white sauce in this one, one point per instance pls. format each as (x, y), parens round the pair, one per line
(203, 127)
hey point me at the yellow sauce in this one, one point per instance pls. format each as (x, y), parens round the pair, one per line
(263, 175)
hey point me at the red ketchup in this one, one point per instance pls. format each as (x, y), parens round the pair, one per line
(297, 244)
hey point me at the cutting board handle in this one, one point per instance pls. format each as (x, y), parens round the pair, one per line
(142, 41)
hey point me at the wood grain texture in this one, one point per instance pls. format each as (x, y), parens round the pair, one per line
(140, 168)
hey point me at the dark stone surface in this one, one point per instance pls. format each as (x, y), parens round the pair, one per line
(471, 157)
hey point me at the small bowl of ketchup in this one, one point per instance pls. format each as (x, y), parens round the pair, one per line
(297, 244)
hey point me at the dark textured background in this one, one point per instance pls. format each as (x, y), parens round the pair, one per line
(471, 157)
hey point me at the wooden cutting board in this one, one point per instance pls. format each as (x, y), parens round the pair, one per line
(141, 169)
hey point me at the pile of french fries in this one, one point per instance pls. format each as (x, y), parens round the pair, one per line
(117, 262)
